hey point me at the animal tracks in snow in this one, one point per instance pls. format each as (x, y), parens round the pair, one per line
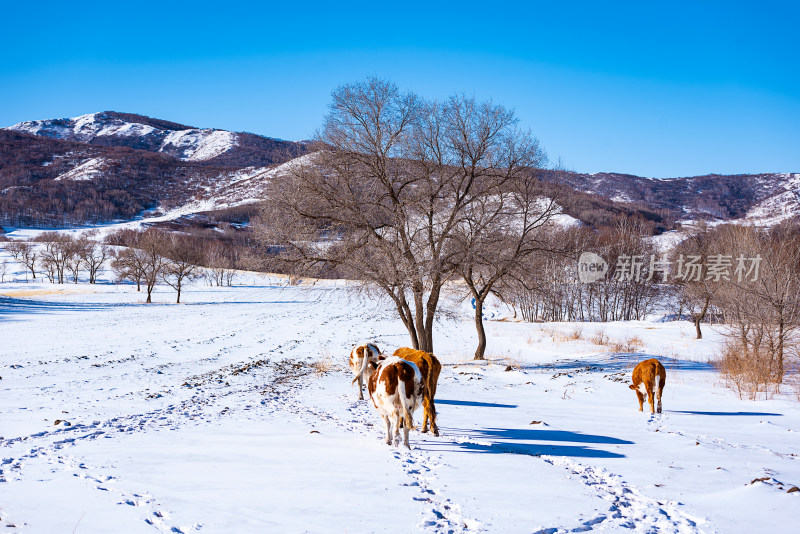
(628, 507)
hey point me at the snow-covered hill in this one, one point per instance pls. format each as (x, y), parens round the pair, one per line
(178, 166)
(109, 128)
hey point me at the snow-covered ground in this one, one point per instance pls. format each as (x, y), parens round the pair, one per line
(234, 412)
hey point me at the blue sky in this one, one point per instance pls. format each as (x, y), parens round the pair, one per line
(659, 89)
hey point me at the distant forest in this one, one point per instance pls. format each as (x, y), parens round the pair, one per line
(129, 180)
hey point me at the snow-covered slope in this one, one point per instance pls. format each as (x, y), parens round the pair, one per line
(198, 145)
(192, 144)
(87, 170)
(779, 207)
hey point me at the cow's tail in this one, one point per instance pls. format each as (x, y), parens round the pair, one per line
(408, 418)
(656, 384)
(364, 363)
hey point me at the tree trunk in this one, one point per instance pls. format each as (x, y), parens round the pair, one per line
(781, 334)
(481, 350)
(698, 318)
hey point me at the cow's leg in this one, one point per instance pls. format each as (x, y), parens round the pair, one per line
(651, 399)
(658, 398)
(405, 436)
(434, 428)
(360, 387)
(397, 423)
(641, 400)
(425, 405)
(387, 422)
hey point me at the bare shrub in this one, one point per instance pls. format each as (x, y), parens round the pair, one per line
(324, 364)
(632, 344)
(599, 337)
(576, 333)
(746, 370)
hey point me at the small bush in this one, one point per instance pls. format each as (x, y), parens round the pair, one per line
(324, 364)
(576, 333)
(747, 371)
(599, 337)
(632, 344)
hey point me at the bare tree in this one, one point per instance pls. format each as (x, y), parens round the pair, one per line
(76, 251)
(151, 258)
(15, 249)
(29, 254)
(384, 196)
(696, 289)
(24, 253)
(497, 234)
(127, 266)
(761, 298)
(184, 261)
(3, 270)
(220, 265)
(94, 255)
(547, 287)
(58, 249)
(143, 261)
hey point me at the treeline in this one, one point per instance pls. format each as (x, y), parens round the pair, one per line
(547, 286)
(748, 279)
(717, 196)
(144, 257)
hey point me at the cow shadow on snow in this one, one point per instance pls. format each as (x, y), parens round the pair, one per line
(518, 441)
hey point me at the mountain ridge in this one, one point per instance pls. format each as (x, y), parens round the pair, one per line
(110, 164)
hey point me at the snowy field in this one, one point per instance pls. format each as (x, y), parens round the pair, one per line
(234, 413)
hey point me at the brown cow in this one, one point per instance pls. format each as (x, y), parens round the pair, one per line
(396, 389)
(649, 378)
(364, 359)
(430, 368)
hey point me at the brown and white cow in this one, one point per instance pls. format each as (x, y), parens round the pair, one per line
(396, 389)
(649, 378)
(430, 368)
(364, 359)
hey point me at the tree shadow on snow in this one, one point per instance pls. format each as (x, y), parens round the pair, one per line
(763, 414)
(514, 441)
(616, 361)
(9, 307)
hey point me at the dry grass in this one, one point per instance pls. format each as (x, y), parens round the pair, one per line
(632, 344)
(599, 337)
(559, 336)
(324, 364)
(575, 334)
(39, 292)
(531, 341)
(747, 372)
